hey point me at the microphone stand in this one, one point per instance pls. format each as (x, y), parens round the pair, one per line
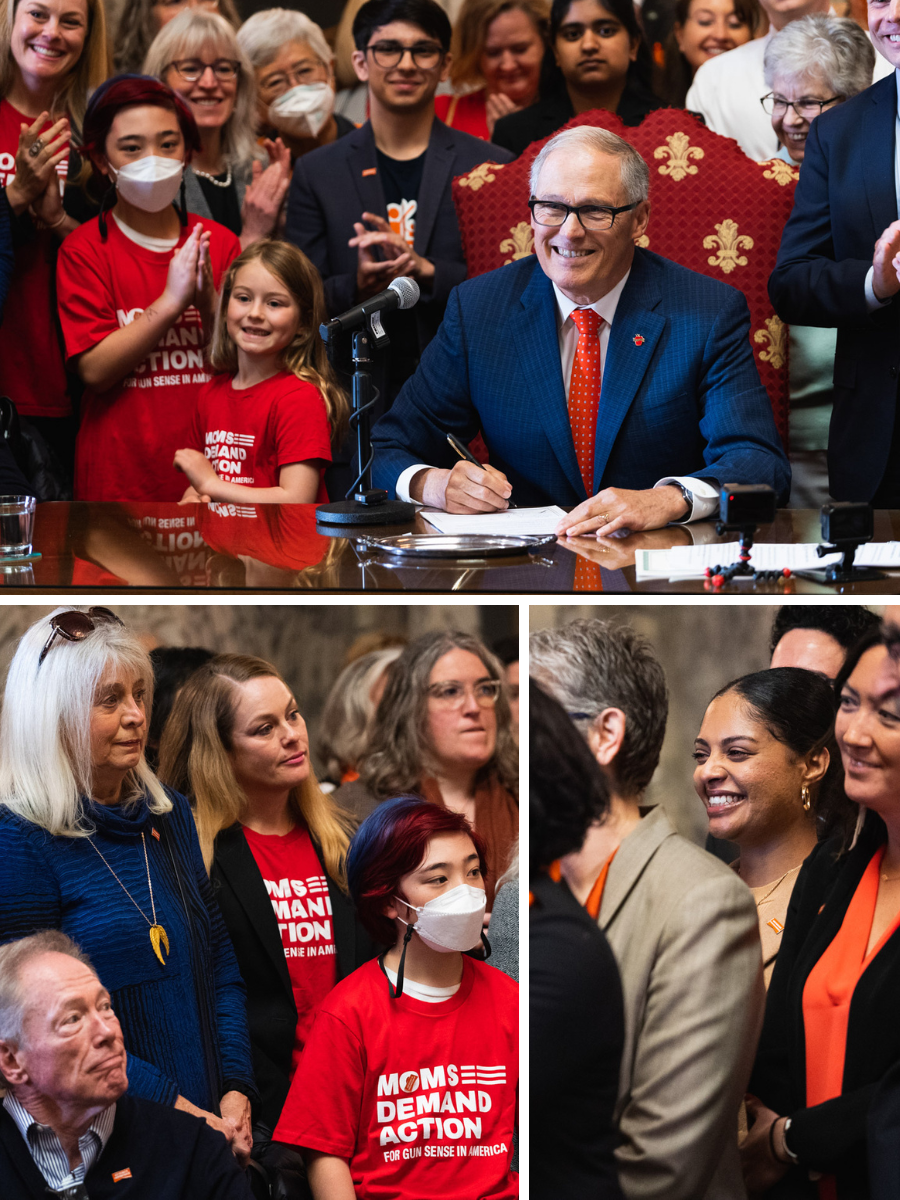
(369, 506)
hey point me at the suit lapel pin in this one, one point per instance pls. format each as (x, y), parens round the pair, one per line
(118, 1176)
(638, 339)
(370, 171)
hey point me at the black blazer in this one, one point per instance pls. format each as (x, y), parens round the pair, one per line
(517, 131)
(844, 201)
(331, 189)
(829, 1137)
(271, 1011)
(170, 1155)
(577, 1033)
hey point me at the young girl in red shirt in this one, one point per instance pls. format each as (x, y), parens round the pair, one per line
(406, 1087)
(264, 425)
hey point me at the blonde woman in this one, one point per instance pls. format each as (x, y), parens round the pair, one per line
(198, 55)
(275, 846)
(51, 55)
(498, 49)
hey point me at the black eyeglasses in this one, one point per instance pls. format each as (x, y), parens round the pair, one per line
(75, 626)
(192, 69)
(806, 110)
(591, 216)
(425, 55)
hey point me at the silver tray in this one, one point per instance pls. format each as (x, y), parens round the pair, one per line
(458, 546)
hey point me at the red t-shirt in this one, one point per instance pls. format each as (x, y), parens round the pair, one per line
(284, 536)
(466, 113)
(419, 1097)
(31, 361)
(129, 434)
(298, 890)
(250, 434)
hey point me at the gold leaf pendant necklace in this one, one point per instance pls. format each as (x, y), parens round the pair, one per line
(157, 933)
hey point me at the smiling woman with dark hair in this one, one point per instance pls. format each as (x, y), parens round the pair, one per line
(769, 775)
(830, 1046)
(597, 59)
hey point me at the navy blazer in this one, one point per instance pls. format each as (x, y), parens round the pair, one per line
(845, 199)
(153, 1150)
(681, 394)
(334, 185)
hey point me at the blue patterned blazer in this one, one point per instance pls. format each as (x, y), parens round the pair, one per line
(680, 396)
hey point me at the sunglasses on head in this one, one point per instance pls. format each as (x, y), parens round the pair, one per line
(75, 626)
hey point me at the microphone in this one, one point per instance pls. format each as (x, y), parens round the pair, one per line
(401, 293)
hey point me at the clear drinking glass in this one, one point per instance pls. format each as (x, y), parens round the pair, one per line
(16, 526)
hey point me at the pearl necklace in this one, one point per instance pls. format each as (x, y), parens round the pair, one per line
(222, 183)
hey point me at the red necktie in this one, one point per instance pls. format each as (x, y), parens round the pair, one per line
(584, 392)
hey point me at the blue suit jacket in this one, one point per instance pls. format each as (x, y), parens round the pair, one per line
(845, 199)
(687, 400)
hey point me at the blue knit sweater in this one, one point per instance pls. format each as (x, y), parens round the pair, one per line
(185, 1023)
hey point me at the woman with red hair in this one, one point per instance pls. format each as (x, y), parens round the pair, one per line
(136, 316)
(406, 1087)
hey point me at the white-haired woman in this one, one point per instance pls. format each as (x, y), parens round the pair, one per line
(810, 66)
(198, 55)
(91, 843)
(294, 79)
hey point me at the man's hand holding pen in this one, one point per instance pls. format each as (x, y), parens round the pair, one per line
(468, 488)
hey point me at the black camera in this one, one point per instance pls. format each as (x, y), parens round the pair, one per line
(742, 505)
(847, 521)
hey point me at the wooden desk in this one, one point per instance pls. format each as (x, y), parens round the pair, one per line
(279, 548)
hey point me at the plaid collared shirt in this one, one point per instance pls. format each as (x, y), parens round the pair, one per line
(46, 1150)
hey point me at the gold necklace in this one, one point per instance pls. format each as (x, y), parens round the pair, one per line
(157, 933)
(774, 889)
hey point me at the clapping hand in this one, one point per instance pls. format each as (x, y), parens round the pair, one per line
(497, 106)
(265, 195)
(373, 275)
(39, 152)
(886, 263)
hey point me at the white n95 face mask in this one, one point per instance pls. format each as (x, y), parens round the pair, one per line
(452, 921)
(150, 183)
(304, 110)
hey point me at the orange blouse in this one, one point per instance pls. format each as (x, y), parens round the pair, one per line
(829, 991)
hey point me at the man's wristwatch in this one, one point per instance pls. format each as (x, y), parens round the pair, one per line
(688, 499)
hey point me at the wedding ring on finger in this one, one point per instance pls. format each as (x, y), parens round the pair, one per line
(603, 518)
(35, 148)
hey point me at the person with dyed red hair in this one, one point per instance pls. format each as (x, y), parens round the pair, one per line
(137, 294)
(406, 1088)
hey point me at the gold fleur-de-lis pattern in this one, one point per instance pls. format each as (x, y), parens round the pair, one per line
(679, 151)
(779, 170)
(730, 243)
(775, 333)
(480, 175)
(643, 241)
(521, 244)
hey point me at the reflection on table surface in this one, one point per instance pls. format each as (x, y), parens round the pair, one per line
(271, 547)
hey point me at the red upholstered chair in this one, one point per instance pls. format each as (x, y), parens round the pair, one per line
(712, 209)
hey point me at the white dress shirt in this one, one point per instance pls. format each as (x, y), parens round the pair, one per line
(45, 1148)
(706, 497)
(872, 301)
(727, 90)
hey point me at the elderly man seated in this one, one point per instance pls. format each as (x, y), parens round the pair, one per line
(66, 1126)
(600, 375)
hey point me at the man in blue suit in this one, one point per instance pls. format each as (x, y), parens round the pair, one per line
(681, 409)
(835, 270)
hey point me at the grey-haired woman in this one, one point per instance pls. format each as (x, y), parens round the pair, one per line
(443, 730)
(199, 56)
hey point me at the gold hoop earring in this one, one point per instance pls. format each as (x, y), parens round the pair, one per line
(805, 798)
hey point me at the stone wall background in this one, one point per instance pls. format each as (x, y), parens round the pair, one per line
(306, 642)
(701, 647)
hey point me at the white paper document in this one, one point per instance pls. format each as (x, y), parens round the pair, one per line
(527, 521)
(690, 562)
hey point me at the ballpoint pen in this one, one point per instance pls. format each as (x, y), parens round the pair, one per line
(466, 453)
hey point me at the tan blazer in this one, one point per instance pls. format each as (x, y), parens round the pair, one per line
(684, 931)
